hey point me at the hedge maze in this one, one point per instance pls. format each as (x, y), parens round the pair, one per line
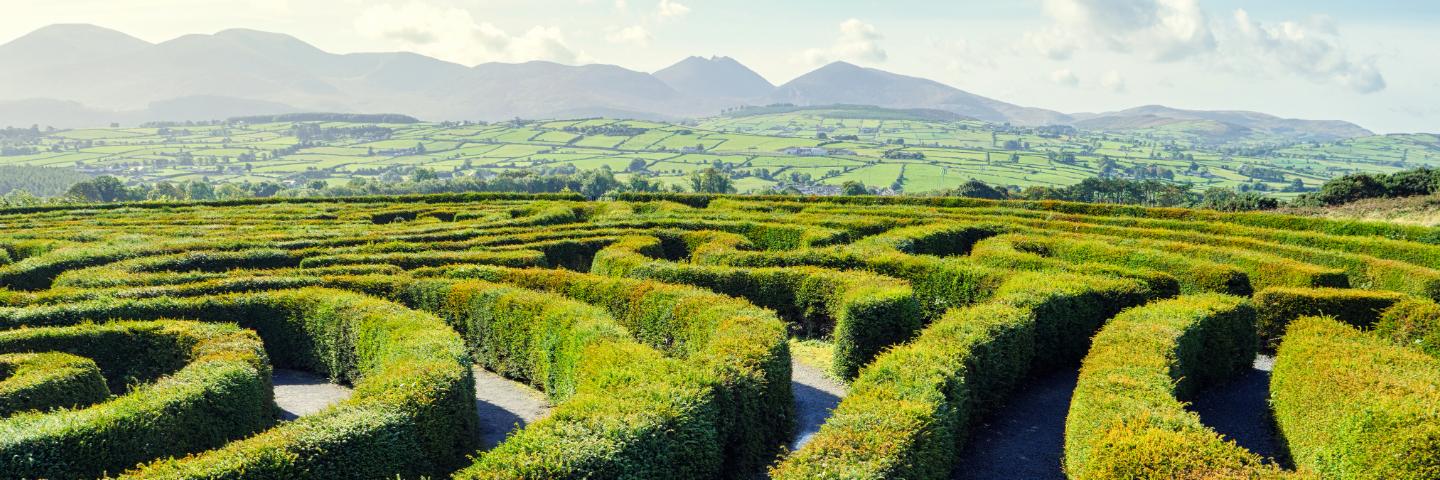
(664, 333)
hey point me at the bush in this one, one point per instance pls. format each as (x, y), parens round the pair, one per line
(1277, 307)
(1353, 406)
(413, 408)
(43, 381)
(910, 409)
(221, 392)
(1414, 323)
(1127, 419)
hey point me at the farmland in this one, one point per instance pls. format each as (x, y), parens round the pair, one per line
(697, 337)
(815, 150)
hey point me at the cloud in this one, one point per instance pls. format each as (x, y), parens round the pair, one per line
(671, 9)
(1312, 49)
(1161, 30)
(635, 35)
(1113, 81)
(1064, 77)
(453, 34)
(858, 42)
(963, 56)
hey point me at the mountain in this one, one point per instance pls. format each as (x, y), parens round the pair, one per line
(844, 83)
(716, 77)
(1220, 125)
(84, 75)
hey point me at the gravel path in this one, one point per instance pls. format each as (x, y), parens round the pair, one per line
(1025, 438)
(300, 393)
(1239, 410)
(505, 406)
(815, 396)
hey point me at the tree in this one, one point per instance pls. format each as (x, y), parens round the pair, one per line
(637, 165)
(199, 190)
(711, 180)
(103, 188)
(977, 189)
(853, 187)
(595, 183)
(423, 174)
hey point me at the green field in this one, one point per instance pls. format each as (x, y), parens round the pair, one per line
(882, 149)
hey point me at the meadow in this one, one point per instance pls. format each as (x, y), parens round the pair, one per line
(816, 149)
(696, 337)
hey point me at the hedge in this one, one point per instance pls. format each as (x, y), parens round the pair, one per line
(1414, 323)
(623, 410)
(1354, 406)
(1277, 307)
(742, 347)
(907, 414)
(1127, 417)
(43, 381)
(219, 391)
(412, 412)
(863, 313)
(1001, 252)
(411, 260)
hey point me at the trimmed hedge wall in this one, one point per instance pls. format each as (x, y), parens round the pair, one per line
(743, 349)
(412, 412)
(863, 313)
(221, 392)
(1001, 252)
(624, 411)
(44, 381)
(1354, 406)
(1277, 307)
(1413, 323)
(1127, 419)
(908, 412)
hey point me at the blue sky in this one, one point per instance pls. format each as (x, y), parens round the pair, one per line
(1368, 62)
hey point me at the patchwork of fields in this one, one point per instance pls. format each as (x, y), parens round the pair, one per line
(669, 334)
(761, 152)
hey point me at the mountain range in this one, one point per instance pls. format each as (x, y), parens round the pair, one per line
(77, 75)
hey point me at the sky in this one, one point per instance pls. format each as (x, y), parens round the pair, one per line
(1372, 63)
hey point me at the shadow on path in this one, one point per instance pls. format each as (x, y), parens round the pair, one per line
(300, 393)
(505, 406)
(1239, 410)
(1025, 438)
(815, 396)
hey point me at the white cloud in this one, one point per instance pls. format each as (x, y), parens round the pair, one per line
(858, 42)
(1113, 81)
(1161, 30)
(453, 34)
(963, 56)
(635, 35)
(1312, 49)
(671, 9)
(1064, 77)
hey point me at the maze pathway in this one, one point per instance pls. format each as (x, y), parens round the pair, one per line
(1239, 410)
(504, 406)
(816, 395)
(1026, 437)
(300, 393)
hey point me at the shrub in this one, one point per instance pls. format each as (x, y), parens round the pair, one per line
(220, 392)
(42, 381)
(1277, 307)
(1353, 406)
(1127, 419)
(1414, 323)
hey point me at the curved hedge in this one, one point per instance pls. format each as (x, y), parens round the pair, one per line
(1353, 406)
(42, 381)
(219, 391)
(1277, 307)
(1127, 419)
(908, 412)
(1414, 323)
(412, 412)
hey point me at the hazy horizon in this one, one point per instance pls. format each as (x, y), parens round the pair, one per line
(1314, 60)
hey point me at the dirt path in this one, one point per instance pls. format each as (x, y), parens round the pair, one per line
(1240, 411)
(505, 406)
(815, 396)
(1025, 438)
(300, 393)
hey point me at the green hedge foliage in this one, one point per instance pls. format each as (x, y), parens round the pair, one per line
(1277, 307)
(862, 313)
(219, 391)
(412, 412)
(908, 412)
(1413, 323)
(1352, 405)
(43, 381)
(1127, 419)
